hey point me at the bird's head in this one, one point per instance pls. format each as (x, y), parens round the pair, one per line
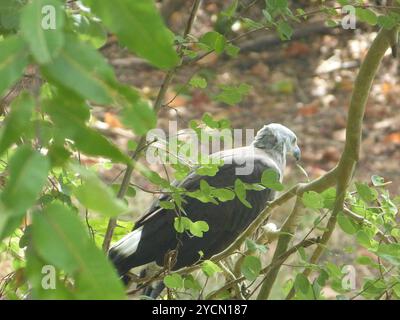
(275, 136)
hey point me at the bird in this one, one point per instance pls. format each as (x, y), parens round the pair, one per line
(154, 234)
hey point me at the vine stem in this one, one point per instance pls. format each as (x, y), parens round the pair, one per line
(112, 223)
(350, 155)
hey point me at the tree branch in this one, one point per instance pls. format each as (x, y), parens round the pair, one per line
(350, 155)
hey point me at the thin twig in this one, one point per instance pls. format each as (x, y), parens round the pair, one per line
(142, 141)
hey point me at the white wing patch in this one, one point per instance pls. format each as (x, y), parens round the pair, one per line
(128, 244)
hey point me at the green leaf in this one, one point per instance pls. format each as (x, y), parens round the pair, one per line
(267, 15)
(251, 24)
(181, 224)
(130, 191)
(386, 22)
(233, 95)
(198, 82)
(17, 121)
(313, 200)
(83, 70)
(191, 283)
(167, 205)
(396, 290)
(209, 121)
(253, 246)
(140, 117)
(35, 271)
(42, 28)
(13, 60)
(277, 4)
(8, 222)
(390, 252)
(366, 193)
(333, 270)
(230, 11)
(329, 196)
(223, 194)
(198, 228)
(377, 181)
(365, 260)
(331, 23)
(367, 15)
(173, 281)
(210, 268)
(58, 155)
(285, 31)
(207, 170)
(363, 239)
(128, 19)
(232, 50)
(9, 15)
(181, 172)
(61, 239)
(155, 178)
(347, 225)
(98, 280)
(90, 30)
(251, 267)
(28, 174)
(94, 195)
(255, 186)
(373, 288)
(205, 187)
(270, 179)
(69, 116)
(302, 284)
(214, 41)
(322, 278)
(240, 190)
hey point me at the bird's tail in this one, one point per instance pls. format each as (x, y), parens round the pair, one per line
(122, 253)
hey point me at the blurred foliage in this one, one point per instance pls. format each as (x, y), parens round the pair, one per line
(46, 191)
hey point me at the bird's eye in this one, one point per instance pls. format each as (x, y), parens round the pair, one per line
(294, 140)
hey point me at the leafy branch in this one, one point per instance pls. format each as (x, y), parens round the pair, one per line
(347, 163)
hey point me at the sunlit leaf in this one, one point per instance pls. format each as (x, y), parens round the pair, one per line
(17, 121)
(251, 267)
(13, 60)
(107, 204)
(128, 19)
(42, 28)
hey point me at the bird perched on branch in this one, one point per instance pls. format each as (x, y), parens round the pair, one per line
(155, 235)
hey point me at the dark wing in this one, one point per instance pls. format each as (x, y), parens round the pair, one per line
(226, 221)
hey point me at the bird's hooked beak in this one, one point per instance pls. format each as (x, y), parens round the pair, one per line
(297, 153)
